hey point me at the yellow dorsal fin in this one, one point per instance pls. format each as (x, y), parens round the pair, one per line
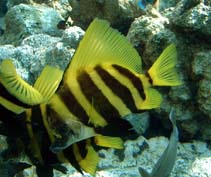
(163, 71)
(16, 86)
(107, 141)
(153, 99)
(48, 81)
(102, 44)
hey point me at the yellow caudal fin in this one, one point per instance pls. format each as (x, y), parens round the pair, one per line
(48, 81)
(16, 86)
(89, 163)
(107, 141)
(163, 72)
(153, 99)
(102, 44)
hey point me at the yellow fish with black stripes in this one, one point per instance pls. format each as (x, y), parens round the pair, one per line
(83, 107)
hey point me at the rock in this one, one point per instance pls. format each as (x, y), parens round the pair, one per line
(204, 97)
(192, 159)
(61, 6)
(205, 130)
(182, 5)
(150, 36)
(192, 16)
(4, 144)
(3, 7)
(24, 20)
(38, 50)
(32, 39)
(196, 19)
(72, 36)
(129, 9)
(145, 153)
(83, 12)
(201, 65)
(3, 11)
(202, 70)
(12, 3)
(164, 4)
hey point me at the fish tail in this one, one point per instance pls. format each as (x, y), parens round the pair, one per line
(163, 72)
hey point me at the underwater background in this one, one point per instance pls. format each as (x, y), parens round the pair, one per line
(35, 33)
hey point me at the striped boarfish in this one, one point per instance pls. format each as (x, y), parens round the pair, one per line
(102, 84)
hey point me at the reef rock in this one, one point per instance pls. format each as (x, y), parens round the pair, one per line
(187, 25)
(193, 159)
(37, 50)
(24, 20)
(192, 16)
(31, 37)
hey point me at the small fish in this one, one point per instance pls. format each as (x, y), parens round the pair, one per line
(143, 3)
(165, 164)
(103, 83)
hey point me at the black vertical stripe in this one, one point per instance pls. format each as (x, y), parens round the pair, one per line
(5, 94)
(96, 98)
(41, 135)
(73, 105)
(120, 90)
(82, 148)
(137, 83)
(69, 154)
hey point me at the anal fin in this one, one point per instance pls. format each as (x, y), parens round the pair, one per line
(107, 141)
(90, 161)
